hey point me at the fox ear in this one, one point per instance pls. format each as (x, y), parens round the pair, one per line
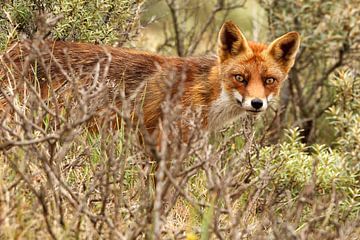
(284, 49)
(231, 41)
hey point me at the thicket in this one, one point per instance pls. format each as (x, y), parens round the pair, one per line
(106, 22)
(292, 174)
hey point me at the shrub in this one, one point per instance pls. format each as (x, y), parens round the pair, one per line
(103, 21)
(58, 180)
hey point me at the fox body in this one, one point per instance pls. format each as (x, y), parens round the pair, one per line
(243, 77)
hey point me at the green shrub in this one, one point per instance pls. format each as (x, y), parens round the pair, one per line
(337, 165)
(105, 21)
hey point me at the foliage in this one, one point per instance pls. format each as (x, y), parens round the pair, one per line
(330, 41)
(345, 114)
(104, 21)
(61, 181)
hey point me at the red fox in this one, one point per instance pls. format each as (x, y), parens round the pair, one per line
(243, 77)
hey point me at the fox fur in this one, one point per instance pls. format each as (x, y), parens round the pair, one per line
(243, 75)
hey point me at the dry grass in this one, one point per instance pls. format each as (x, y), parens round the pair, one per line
(60, 181)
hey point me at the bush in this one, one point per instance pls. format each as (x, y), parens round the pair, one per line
(59, 180)
(329, 33)
(105, 21)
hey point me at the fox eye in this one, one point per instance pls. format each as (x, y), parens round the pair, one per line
(269, 81)
(239, 78)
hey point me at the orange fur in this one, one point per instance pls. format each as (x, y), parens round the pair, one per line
(207, 82)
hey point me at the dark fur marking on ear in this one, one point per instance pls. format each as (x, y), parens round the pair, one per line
(287, 48)
(229, 38)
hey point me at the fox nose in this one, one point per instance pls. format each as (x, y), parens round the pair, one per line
(256, 103)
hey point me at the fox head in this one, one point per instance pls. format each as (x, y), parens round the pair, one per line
(252, 73)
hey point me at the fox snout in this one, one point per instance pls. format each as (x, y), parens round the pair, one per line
(252, 104)
(255, 104)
